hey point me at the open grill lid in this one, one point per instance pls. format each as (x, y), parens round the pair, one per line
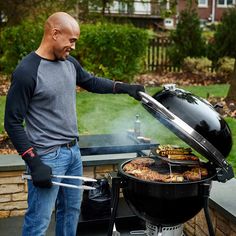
(195, 121)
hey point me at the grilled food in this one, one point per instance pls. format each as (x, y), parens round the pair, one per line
(143, 161)
(183, 157)
(191, 175)
(165, 153)
(165, 150)
(147, 174)
(202, 170)
(196, 173)
(176, 153)
(142, 169)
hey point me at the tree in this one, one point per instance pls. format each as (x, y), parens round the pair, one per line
(224, 44)
(187, 38)
(16, 11)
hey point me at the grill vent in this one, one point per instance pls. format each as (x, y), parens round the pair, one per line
(153, 230)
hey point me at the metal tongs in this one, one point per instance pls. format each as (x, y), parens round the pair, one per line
(85, 187)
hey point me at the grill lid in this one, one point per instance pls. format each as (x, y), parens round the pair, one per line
(195, 121)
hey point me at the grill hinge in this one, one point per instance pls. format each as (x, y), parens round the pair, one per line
(225, 174)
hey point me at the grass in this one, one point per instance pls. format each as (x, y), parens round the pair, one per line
(101, 114)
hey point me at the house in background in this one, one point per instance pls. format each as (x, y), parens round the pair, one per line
(208, 10)
(142, 13)
(161, 14)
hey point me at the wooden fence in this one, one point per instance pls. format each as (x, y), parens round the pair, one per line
(157, 59)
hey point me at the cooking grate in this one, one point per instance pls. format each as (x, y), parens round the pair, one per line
(179, 173)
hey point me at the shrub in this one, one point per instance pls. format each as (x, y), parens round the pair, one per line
(111, 50)
(225, 67)
(223, 43)
(18, 41)
(196, 65)
(187, 38)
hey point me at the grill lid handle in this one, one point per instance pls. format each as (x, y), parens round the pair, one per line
(156, 106)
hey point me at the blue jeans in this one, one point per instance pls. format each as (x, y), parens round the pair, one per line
(41, 201)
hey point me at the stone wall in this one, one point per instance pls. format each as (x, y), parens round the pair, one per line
(13, 190)
(198, 226)
(13, 194)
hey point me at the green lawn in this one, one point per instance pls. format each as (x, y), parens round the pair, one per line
(99, 114)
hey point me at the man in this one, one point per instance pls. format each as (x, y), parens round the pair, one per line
(43, 94)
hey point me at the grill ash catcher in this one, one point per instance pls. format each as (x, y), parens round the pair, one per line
(165, 207)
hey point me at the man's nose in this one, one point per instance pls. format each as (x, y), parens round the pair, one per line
(72, 46)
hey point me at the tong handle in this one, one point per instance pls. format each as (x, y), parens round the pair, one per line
(85, 187)
(87, 179)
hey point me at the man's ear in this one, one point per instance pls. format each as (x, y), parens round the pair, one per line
(55, 33)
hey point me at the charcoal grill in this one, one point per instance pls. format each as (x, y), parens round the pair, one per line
(168, 205)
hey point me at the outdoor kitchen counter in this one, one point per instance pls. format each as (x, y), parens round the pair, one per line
(223, 197)
(95, 150)
(13, 162)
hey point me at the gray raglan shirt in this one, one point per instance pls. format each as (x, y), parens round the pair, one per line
(43, 93)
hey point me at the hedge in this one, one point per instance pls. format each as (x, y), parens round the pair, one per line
(108, 50)
(111, 50)
(17, 42)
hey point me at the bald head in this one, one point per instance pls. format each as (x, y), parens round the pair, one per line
(61, 31)
(61, 21)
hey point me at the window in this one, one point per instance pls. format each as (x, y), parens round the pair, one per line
(203, 3)
(225, 3)
(169, 23)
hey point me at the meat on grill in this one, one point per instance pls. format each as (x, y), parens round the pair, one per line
(141, 168)
(143, 161)
(176, 153)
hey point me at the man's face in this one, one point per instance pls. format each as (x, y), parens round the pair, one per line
(65, 42)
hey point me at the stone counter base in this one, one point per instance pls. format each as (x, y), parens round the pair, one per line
(198, 226)
(13, 194)
(13, 190)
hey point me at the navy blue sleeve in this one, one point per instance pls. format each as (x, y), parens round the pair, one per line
(91, 83)
(17, 101)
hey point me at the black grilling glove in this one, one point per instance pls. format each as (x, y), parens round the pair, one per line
(130, 89)
(40, 173)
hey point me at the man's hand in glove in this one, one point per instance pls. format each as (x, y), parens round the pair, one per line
(40, 173)
(130, 89)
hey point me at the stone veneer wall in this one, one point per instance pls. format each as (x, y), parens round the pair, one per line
(13, 194)
(198, 226)
(13, 202)
(13, 190)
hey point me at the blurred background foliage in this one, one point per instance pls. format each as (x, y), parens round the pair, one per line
(108, 50)
(117, 51)
(112, 51)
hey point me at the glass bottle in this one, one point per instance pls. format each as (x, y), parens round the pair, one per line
(137, 126)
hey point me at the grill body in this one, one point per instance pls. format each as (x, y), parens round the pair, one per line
(164, 203)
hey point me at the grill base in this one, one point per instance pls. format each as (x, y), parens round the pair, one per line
(153, 230)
